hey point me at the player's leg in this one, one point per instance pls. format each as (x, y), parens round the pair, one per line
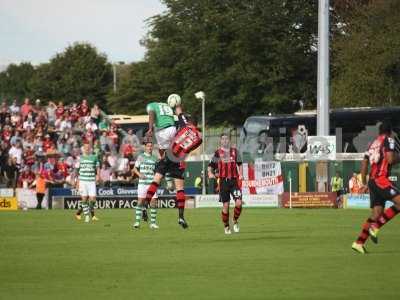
(153, 213)
(237, 196)
(394, 195)
(138, 211)
(180, 201)
(225, 197)
(92, 199)
(376, 209)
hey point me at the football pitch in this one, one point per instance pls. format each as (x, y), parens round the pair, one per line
(279, 254)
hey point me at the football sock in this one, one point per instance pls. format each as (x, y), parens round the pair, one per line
(225, 218)
(138, 213)
(364, 234)
(180, 199)
(91, 207)
(153, 215)
(387, 215)
(85, 208)
(151, 191)
(79, 211)
(236, 213)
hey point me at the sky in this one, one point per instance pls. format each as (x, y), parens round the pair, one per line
(35, 30)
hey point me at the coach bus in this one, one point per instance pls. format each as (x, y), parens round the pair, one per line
(288, 133)
(139, 123)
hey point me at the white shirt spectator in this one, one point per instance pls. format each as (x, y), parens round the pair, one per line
(28, 124)
(123, 165)
(14, 108)
(17, 153)
(91, 126)
(65, 125)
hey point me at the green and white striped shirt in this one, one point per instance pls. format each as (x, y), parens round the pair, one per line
(87, 167)
(146, 164)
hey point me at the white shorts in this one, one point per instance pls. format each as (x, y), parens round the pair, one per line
(142, 191)
(165, 136)
(87, 188)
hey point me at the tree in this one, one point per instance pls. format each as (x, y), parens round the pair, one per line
(249, 56)
(78, 72)
(14, 81)
(366, 64)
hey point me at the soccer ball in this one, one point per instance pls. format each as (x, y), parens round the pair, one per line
(174, 100)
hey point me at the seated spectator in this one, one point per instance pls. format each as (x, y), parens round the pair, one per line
(47, 143)
(60, 110)
(51, 113)
(91, 125)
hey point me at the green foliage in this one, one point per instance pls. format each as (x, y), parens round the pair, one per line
(367, 62)
(247, 56)
(78, 72)
(14, 81)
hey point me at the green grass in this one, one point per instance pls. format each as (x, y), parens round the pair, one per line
(279, 254)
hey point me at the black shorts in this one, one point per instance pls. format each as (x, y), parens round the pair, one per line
(379, 196)
(228, 187)
(174, 169)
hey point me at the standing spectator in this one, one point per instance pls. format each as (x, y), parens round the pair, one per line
(131, 138)
(60, 110)
(37, 108)
(91, 125)
(29, 122)
(337, 184)
(26, 108)
(3, 158)
(105, 142)
(40, 184)
(84, 108)
(10, 173)
(51, 113)
(16, 152)
(26, 178)
(103, 125)
(29, 156)
(6, 134)
(74, 113)
(95, 114)
(4, 114)
(354, 184)
(105, 173)
(14, 108)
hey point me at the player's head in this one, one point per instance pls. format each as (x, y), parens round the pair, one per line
(224, 140)
(385, 128)
(86, 149)
(148, 145)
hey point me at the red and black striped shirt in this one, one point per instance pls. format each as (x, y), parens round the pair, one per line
(226, 161)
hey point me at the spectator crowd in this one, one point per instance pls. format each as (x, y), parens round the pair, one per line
(44, 141)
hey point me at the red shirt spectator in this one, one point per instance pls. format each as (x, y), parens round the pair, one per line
(29, 156)
(74, 113)
(60, 110)
(26, 176)
(113, 135)
(84, 108)
(47, 143)
(6, 134)
(26, 108)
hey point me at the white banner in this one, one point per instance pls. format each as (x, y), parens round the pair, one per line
(321, 148)
(262, 177)
(6, 192)
(27, 198)
(248, 201)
